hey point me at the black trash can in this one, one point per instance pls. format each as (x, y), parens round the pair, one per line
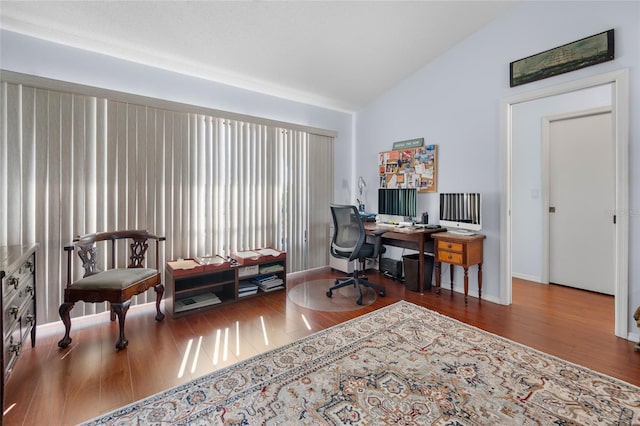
(411, 270)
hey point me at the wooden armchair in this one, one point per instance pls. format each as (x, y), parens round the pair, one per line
(114, 285)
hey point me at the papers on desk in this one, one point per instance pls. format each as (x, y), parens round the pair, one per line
(262, 255)
(183, 264)
(251, 254)
(268, 252)
(387, 225)
(248, 254)
(209, 260)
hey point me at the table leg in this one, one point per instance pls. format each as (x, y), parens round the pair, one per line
(451, 274)
(480, 280)
(437, 276)
(466, 283)
(421, 263)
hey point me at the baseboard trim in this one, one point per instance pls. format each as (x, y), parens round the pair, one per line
(532, 278)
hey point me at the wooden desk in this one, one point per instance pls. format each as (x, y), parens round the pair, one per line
(412, 238)
(462, 250)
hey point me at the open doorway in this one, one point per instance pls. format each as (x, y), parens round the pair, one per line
(616, 86)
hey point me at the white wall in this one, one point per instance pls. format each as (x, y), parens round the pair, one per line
(28, 55)
(454, 102)
(527, 201)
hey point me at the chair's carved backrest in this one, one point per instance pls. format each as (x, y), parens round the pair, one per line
(88, 254)
(87, 249)
(138, 248)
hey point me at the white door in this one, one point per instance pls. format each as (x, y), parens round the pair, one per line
(582, 202)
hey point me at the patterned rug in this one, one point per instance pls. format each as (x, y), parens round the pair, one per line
(402, 364)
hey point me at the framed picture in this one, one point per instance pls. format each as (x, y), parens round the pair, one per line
(569, 57)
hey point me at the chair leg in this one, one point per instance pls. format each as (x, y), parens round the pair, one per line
(343, 282)
(66, 320)
(159, 292)
(120, 309)
(357, 281)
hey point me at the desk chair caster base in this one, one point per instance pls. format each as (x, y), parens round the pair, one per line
(382, 293)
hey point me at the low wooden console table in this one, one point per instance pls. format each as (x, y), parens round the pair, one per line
(198, 284)
(461, 250)
(412, 238)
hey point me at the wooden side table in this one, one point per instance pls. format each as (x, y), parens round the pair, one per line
(461, 250)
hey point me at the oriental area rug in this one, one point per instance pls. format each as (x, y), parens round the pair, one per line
(401, 364)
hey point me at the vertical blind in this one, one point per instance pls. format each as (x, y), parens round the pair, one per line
(72, 164)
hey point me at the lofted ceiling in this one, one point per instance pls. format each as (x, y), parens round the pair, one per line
(334, 54)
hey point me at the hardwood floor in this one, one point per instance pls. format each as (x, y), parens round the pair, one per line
(59, 387)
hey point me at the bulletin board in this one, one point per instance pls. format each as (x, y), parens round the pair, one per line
(409, 168)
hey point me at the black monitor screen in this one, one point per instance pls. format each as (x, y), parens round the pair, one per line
(398, 202)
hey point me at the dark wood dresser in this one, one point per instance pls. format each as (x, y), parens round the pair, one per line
(18, 275)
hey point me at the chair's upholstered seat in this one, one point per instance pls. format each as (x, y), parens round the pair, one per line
(114, 279)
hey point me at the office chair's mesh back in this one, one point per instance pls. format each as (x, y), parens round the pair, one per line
(349, 232)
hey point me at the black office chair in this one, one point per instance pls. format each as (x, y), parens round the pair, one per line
(348, 242)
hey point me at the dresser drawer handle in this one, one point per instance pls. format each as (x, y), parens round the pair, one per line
(13, 310)
(15, 348)
(29, 289)
(13, 281)
(29, 265)
(30, 320)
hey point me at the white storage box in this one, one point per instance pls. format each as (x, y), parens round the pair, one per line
(246, 271)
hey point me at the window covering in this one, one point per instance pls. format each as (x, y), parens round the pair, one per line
(71, 164)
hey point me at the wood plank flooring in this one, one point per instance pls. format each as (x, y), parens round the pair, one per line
(51, 386)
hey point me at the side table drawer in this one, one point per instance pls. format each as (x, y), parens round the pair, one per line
(447, 245)
(449, 257)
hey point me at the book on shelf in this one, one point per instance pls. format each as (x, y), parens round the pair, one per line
(269, 282)
(197, 301)
(245, 288)
(247, 292)
(264, 277)
(267, 290)
(271, 267)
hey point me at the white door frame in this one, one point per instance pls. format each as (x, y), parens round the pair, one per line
(619, 81)
(546, 184)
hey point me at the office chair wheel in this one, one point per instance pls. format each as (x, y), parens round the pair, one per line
(382, 293)
(359, 301)
(329, 293)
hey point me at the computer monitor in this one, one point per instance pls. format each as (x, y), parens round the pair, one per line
(461, 212)
(397, 202)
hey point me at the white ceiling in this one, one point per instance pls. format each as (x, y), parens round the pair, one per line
(334, 54)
